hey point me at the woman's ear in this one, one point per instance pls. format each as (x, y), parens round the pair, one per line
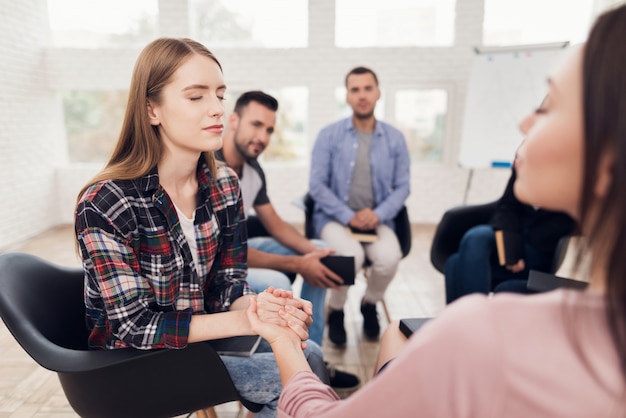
(605, 174)
(152, 116)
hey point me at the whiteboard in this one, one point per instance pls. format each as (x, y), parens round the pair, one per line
(505, 85)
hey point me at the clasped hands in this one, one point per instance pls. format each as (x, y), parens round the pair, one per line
(364, 219)
(277, 314)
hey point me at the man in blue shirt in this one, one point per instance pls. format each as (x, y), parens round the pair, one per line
(360, 179)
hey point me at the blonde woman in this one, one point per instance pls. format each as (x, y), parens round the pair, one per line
(160, 228)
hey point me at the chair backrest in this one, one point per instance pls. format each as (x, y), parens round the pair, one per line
(42, 305)
(454, 223)
(402, 224)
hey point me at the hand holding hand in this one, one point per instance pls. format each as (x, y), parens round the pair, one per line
(293, 331)
(278, 306)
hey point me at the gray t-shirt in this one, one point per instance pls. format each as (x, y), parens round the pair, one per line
(361, 189)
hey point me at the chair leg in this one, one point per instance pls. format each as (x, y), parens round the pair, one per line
(387, 316)
(243, 412)
(206, 413)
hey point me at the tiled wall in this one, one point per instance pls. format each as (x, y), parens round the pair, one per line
(38, 187)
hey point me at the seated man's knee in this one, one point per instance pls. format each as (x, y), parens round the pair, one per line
(260, 279)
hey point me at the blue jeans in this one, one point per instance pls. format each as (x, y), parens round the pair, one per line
(260, 279)
(257, 378)
(475, 268)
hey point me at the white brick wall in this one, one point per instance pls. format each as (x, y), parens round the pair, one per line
(38, 188)
(31, 135)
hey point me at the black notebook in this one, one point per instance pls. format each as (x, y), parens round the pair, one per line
(342, 266)
(544, 282)
(409, 325)
(241, 346)
(361, 235)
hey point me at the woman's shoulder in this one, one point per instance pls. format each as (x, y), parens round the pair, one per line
(505, 304)
(109, 192)
(226, 191)
(478, 317)
(111, 204)
(227, 179)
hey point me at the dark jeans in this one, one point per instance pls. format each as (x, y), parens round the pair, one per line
(475, 268)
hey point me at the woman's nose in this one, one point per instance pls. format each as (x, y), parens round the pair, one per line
(216, 109)
(526, 123)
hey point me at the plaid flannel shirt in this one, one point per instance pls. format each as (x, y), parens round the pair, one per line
(141, 282)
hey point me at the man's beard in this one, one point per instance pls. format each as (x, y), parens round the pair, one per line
(363, 116)
(243, 150)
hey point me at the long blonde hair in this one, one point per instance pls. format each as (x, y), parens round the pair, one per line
(139, 148)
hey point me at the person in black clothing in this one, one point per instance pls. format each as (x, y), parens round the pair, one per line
(531, 235)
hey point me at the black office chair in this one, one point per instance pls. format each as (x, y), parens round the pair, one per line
(402, 228)
(456, 221)
(42, 306)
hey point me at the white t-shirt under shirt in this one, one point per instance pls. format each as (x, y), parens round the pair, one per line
(253, 189)
(190, 233)
(252, 183)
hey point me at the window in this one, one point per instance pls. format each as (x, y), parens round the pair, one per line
(102, 24)
(394, 23)
(93, 120)
(512, 22)
(421, 115)
(249, 23)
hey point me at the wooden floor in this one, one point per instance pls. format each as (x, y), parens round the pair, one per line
(27, 390)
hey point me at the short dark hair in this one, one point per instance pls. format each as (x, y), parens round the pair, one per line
(255, 96)
(361, 70)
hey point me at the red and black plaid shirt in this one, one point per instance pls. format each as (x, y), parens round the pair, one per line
(141, 282)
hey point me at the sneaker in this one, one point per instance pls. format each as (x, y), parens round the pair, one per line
(371, 328)
(342, 382)
(336, 330)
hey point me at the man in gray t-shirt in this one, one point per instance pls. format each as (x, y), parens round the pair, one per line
(284, 250)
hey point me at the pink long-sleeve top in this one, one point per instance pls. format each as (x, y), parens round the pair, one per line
(548, 355)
